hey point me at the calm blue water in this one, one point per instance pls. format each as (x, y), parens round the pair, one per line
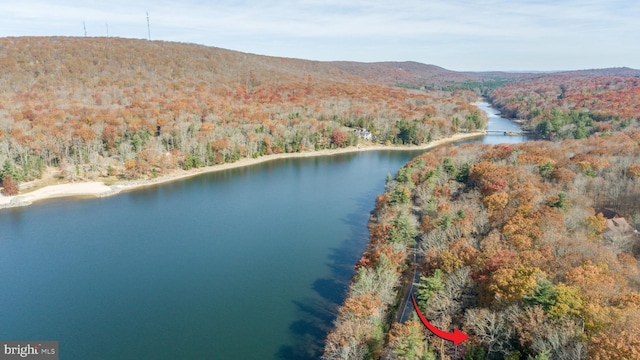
(247, 263)
(499, 123)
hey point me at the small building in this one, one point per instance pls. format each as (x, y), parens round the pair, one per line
(619, 224)
(615, 222)
(363, 134)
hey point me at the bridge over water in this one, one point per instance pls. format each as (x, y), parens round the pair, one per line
(509, 132)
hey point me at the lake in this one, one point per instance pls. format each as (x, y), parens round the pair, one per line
(248, 263)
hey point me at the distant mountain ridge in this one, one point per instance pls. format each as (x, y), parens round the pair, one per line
(415, 73)
(615, 71)
(32, 50)
(408, 72)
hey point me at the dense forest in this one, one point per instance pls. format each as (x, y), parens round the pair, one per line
(100, 108)
(74, 109)
(530, 249)
(573, 105)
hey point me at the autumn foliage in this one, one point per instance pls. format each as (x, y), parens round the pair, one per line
(97, 107)
(573, 105)
(517, 250)
(9, 186)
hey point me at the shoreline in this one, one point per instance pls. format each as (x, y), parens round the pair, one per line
(100, 189)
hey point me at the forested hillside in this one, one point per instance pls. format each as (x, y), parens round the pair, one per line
(87, 108)
(409, 74)
(530, 249)
(573, 105)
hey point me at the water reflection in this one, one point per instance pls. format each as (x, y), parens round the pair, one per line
(193, 261)
(317, 314)
(496, 122)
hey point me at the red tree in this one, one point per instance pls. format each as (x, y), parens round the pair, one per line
(339, 138)
(10, 187)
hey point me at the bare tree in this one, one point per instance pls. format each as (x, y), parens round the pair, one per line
(492, 328)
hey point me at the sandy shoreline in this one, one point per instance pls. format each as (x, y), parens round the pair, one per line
(99, 189)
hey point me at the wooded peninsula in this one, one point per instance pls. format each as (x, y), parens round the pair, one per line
(530, 249)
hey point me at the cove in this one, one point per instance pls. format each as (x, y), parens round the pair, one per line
(248, 263)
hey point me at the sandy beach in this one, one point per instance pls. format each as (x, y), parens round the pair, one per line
(99, 189)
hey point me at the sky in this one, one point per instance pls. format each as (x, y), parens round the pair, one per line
(463, 35)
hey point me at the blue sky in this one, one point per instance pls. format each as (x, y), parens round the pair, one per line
(455, 34)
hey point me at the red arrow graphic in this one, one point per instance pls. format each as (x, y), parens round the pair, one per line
(456, 336)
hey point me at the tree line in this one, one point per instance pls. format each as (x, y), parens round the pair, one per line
(571, 106)
(518, 248)
(91, 108)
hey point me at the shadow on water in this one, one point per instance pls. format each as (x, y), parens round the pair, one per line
(316, 315)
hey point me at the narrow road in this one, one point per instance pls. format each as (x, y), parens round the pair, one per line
(406, 305)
